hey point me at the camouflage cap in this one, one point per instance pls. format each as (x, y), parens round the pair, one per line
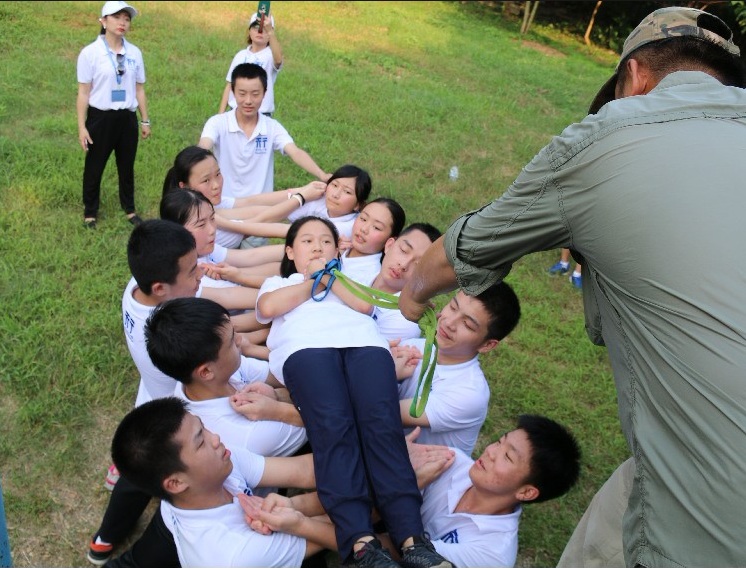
(663, 24)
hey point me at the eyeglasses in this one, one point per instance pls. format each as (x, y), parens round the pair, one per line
(120, 64)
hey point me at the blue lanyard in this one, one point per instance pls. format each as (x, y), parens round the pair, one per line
(111, 58)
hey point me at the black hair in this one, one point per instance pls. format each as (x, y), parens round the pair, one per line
(432, 232)
(398, 216)
(184, 333)
(183, 164)
(180, 206)
(287, 266)
(143, 448)
(691, 54)
(363, 183)
(154, 250)
(503, 307)
(248, 71)
(555, 456)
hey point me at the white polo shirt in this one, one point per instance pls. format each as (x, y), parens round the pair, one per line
(457, 406)
(97, 67)
(362, 269)
(221, 537)
(468, 541)
(246, 162)
(266, 61)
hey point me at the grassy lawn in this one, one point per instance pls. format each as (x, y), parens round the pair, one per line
(405, 90)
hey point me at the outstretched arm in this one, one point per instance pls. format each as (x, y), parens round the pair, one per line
(305, 161)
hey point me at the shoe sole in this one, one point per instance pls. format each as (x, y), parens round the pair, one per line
(97, 561)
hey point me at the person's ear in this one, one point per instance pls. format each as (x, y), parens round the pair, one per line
(289, 253)
(638, 79)
(389, 243)
(203, 372)
(488, 345)
(527, 493)
(176, 483)
(159, 289)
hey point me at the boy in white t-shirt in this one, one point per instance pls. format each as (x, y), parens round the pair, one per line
(244, 140)
(168, 452)
(457, 405)
(471, 508)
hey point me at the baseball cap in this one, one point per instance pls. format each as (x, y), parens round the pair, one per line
(663, 24)
(114, 7)
(254, 20)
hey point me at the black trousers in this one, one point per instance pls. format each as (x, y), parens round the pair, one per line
(111, 131)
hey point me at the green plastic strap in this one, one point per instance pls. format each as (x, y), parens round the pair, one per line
(428, 325)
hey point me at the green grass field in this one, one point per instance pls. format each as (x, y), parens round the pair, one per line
(405, 90)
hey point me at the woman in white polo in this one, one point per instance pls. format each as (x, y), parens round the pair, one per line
(111, 77)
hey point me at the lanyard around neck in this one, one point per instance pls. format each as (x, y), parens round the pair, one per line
(111, 58)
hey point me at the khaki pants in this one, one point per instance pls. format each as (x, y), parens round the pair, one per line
(597, 540)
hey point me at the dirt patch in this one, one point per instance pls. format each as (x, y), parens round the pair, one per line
(545, 49)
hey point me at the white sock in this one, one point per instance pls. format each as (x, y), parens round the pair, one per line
(576, 274)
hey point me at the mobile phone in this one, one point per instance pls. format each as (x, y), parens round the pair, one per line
(262, 12)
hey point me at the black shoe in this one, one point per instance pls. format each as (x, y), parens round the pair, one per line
(89, 223)
(371, 555)
(422, 554)
(135, 220)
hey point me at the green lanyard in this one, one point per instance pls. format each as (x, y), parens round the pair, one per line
(428, 325)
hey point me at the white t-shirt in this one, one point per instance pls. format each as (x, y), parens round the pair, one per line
(393, 325)
(97, 67)
(329, 323)
(246, 162)
(362, 269)
(153, 383)
(458, 402)
(263, 437)
(221, 537)
(318, 208)
(218, 254)
(468, 541)
(228, 239)
(264, 59)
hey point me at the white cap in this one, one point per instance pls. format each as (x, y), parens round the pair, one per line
(114, 7)
(254, 18)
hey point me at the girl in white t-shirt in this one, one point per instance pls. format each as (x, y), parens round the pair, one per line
(256, 215)
(264, 50)
(341, 376)
(379, 220)
(195, 212)
(347, 190)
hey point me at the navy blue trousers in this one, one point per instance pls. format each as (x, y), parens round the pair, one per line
(350, 407)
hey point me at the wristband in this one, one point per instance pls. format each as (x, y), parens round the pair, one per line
(144, 123)
(302, 199)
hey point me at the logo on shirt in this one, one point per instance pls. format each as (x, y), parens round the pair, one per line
(261, 145)
(129, 323)
(451, 537)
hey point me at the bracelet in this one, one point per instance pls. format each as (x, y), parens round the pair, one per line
(301, 199)
(144, 123)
